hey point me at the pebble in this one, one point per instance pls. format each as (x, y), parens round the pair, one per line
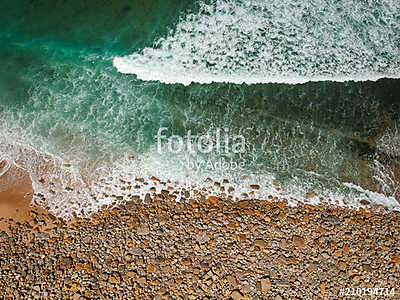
(260, 243)
(236, 295)
(298, 242)
(203, 247)
(265, 284)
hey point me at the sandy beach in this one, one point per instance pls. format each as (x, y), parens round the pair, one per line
(205, 247)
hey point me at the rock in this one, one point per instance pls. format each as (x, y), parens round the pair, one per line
(201, 251)
(265, 284)
(334, 220)
(131, 274)
(65, 262)
(213, 200)
(346, 249)
(137, 251)
(43, 236)
(155, 179)
(151, 269)
(76, 296)
(323, 288)
(242, 237)
(136, 198)
(236, 295)
(395, 259)
(185, 262)
(143, 229)
(243, 203)
(367, 268)
(312, 268)
(147, 199)
(281, 205)
(36, 288)
(114, 280)
(298, 242)
(231, 280)
(202, 238)
(282, 283)
(281, 216)
(260, 243)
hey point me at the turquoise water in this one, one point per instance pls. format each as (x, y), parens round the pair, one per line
(304, 95)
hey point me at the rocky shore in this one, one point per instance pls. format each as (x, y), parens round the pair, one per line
(205, 247)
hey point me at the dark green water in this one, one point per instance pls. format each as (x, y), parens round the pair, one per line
(70, 117)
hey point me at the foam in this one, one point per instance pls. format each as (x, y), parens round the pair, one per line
(274, 42)
(67, 190)
(374, 197)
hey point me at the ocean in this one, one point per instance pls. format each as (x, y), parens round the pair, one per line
(298, 99)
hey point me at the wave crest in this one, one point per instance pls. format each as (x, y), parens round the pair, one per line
(275, 41)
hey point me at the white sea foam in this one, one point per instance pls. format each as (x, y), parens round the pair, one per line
(67, 189)
(275, 41)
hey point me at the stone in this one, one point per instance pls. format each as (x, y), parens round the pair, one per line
(323, 288)
(43, 236)
(243, 203)
(346, 249)
(147, 199)
(76, 296)
(334, 220)
(255, 186)
(114, 280)
(236, 295)
(151, 269)
(367, 268)
(395, 259)
(231, 280)
(202, 238)
(137, 251)
(260, 243)
(265, 284)
(143, 229)
(298, 242)
(131, 274)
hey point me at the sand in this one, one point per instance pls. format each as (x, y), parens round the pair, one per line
(15, 201)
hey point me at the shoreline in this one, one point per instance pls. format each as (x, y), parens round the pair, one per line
(205, 246)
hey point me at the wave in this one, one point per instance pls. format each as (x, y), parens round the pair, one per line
(275, 42)
(77, 187)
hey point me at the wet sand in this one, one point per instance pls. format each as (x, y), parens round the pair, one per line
(15, 202)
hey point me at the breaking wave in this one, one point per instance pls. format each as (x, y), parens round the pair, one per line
(275, 41)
